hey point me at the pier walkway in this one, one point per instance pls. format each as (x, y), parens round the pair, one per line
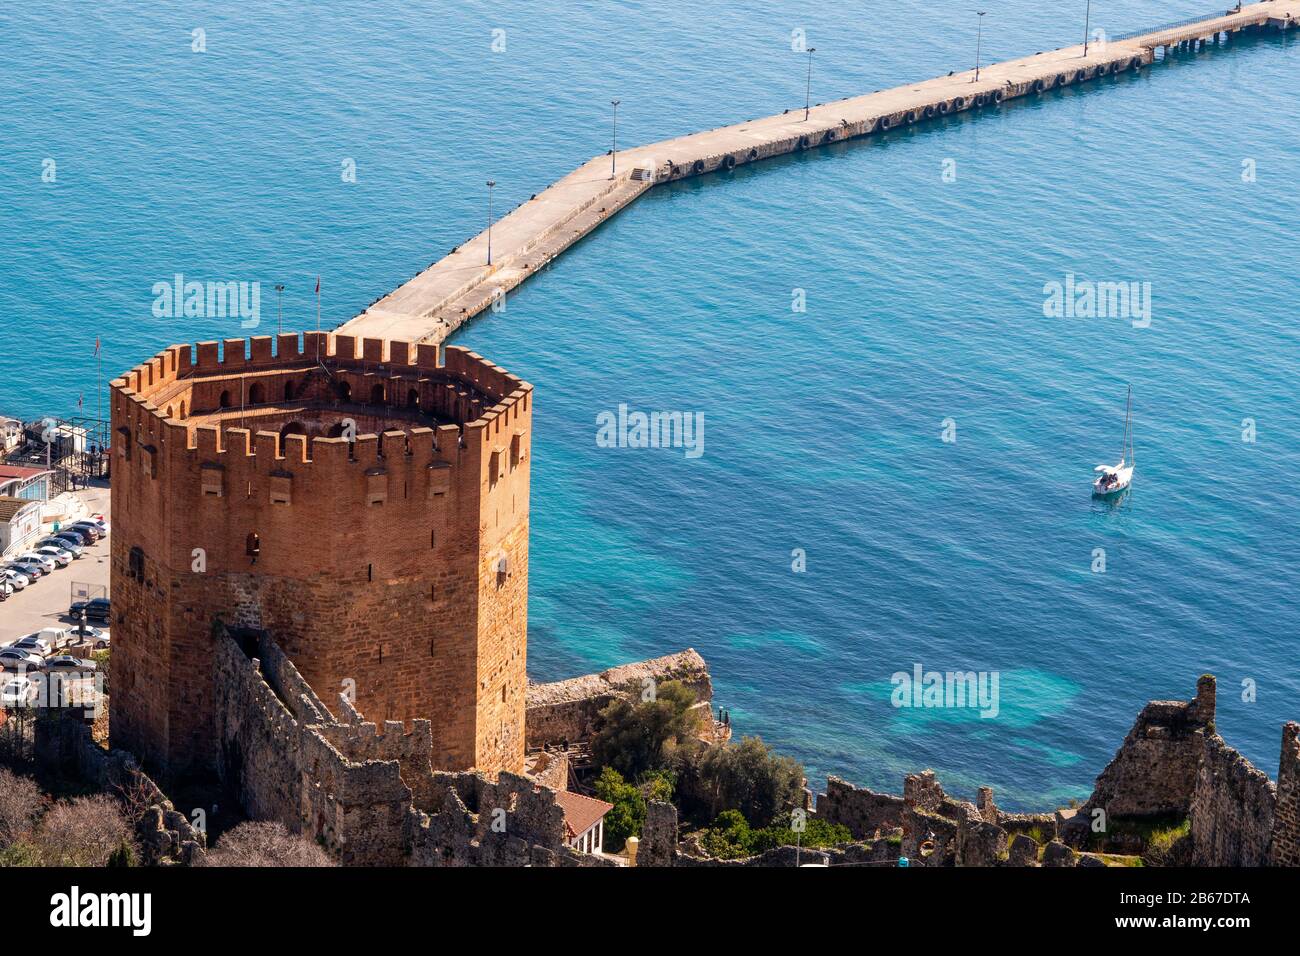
(454, 289)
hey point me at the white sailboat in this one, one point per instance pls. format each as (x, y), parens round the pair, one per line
(1112, 479)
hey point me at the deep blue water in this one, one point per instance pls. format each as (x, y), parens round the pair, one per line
(924, 303)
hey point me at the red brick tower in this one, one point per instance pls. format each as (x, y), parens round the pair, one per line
(364, 504)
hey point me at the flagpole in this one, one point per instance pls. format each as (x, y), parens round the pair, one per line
(318, 320)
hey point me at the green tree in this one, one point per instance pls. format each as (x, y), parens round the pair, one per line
(751, 778)
(635, 738)
(657, 786)
(628, 815)
(124, 855)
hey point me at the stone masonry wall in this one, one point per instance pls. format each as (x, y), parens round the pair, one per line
(1285, 845)
(371, 797)
(566, 711)
(1154, 772)
(863, 811)
(1231, 809)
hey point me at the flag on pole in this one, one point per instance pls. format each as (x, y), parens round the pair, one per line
(80, 400)
(96, 344)
(318, 285)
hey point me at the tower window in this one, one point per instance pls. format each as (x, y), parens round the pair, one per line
(135, 564)
(253, 545)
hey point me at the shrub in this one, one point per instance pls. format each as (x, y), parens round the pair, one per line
(265, 843)
(20, 804)
(731, 837)
(81, 832)
(628, 815)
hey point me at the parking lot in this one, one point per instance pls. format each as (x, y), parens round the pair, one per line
(44, 602)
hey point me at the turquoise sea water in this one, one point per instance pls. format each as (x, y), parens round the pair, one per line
(823, 428)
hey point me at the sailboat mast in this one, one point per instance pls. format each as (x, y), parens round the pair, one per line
(1128, 427)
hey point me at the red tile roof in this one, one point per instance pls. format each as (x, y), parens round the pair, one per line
(581, 813)
(18, 471)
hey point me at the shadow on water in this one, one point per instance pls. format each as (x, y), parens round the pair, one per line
(1115, 504)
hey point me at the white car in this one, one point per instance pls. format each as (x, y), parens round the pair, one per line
(16, 578)
(45, 562)
(60, 557)
(17, 659)
(17, 692)
(34, 644)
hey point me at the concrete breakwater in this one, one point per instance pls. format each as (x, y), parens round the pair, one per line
(451, 291)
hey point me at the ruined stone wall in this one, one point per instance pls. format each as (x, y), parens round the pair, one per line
(1154, 772)
(863, 811)
(1284, 847)
(65, 746)
(1231, 809)
(566, 711)
(282, 768)
(371, 797)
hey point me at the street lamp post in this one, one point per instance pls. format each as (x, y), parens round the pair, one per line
(490, 184)
(807, 90)
(979, 37)
(1087, 25)
(613, 153)
(279, 314)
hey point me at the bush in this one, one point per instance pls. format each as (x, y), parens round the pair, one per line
(628, 815)
(20, 804)
(749, 777)
(636, 738)
(731, 836)
(124, 855)
(265, 843)
(81, 832)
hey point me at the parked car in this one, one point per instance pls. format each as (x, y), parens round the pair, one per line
(96, 609)
(17, 659)
(67, 662)
(15, 578)
(59, 556)
(17, 691)
(45, 561)
(78, 537)
(96, 521)
(6, 588)
(34, 644)
(89, 532)
(67, 544)
(96, 637)
(96, 531)
(33, 569)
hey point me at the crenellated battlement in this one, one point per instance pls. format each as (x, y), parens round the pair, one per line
(367, 407)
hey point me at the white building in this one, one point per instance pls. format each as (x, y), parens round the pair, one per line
(584, 821)
(20, 524)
